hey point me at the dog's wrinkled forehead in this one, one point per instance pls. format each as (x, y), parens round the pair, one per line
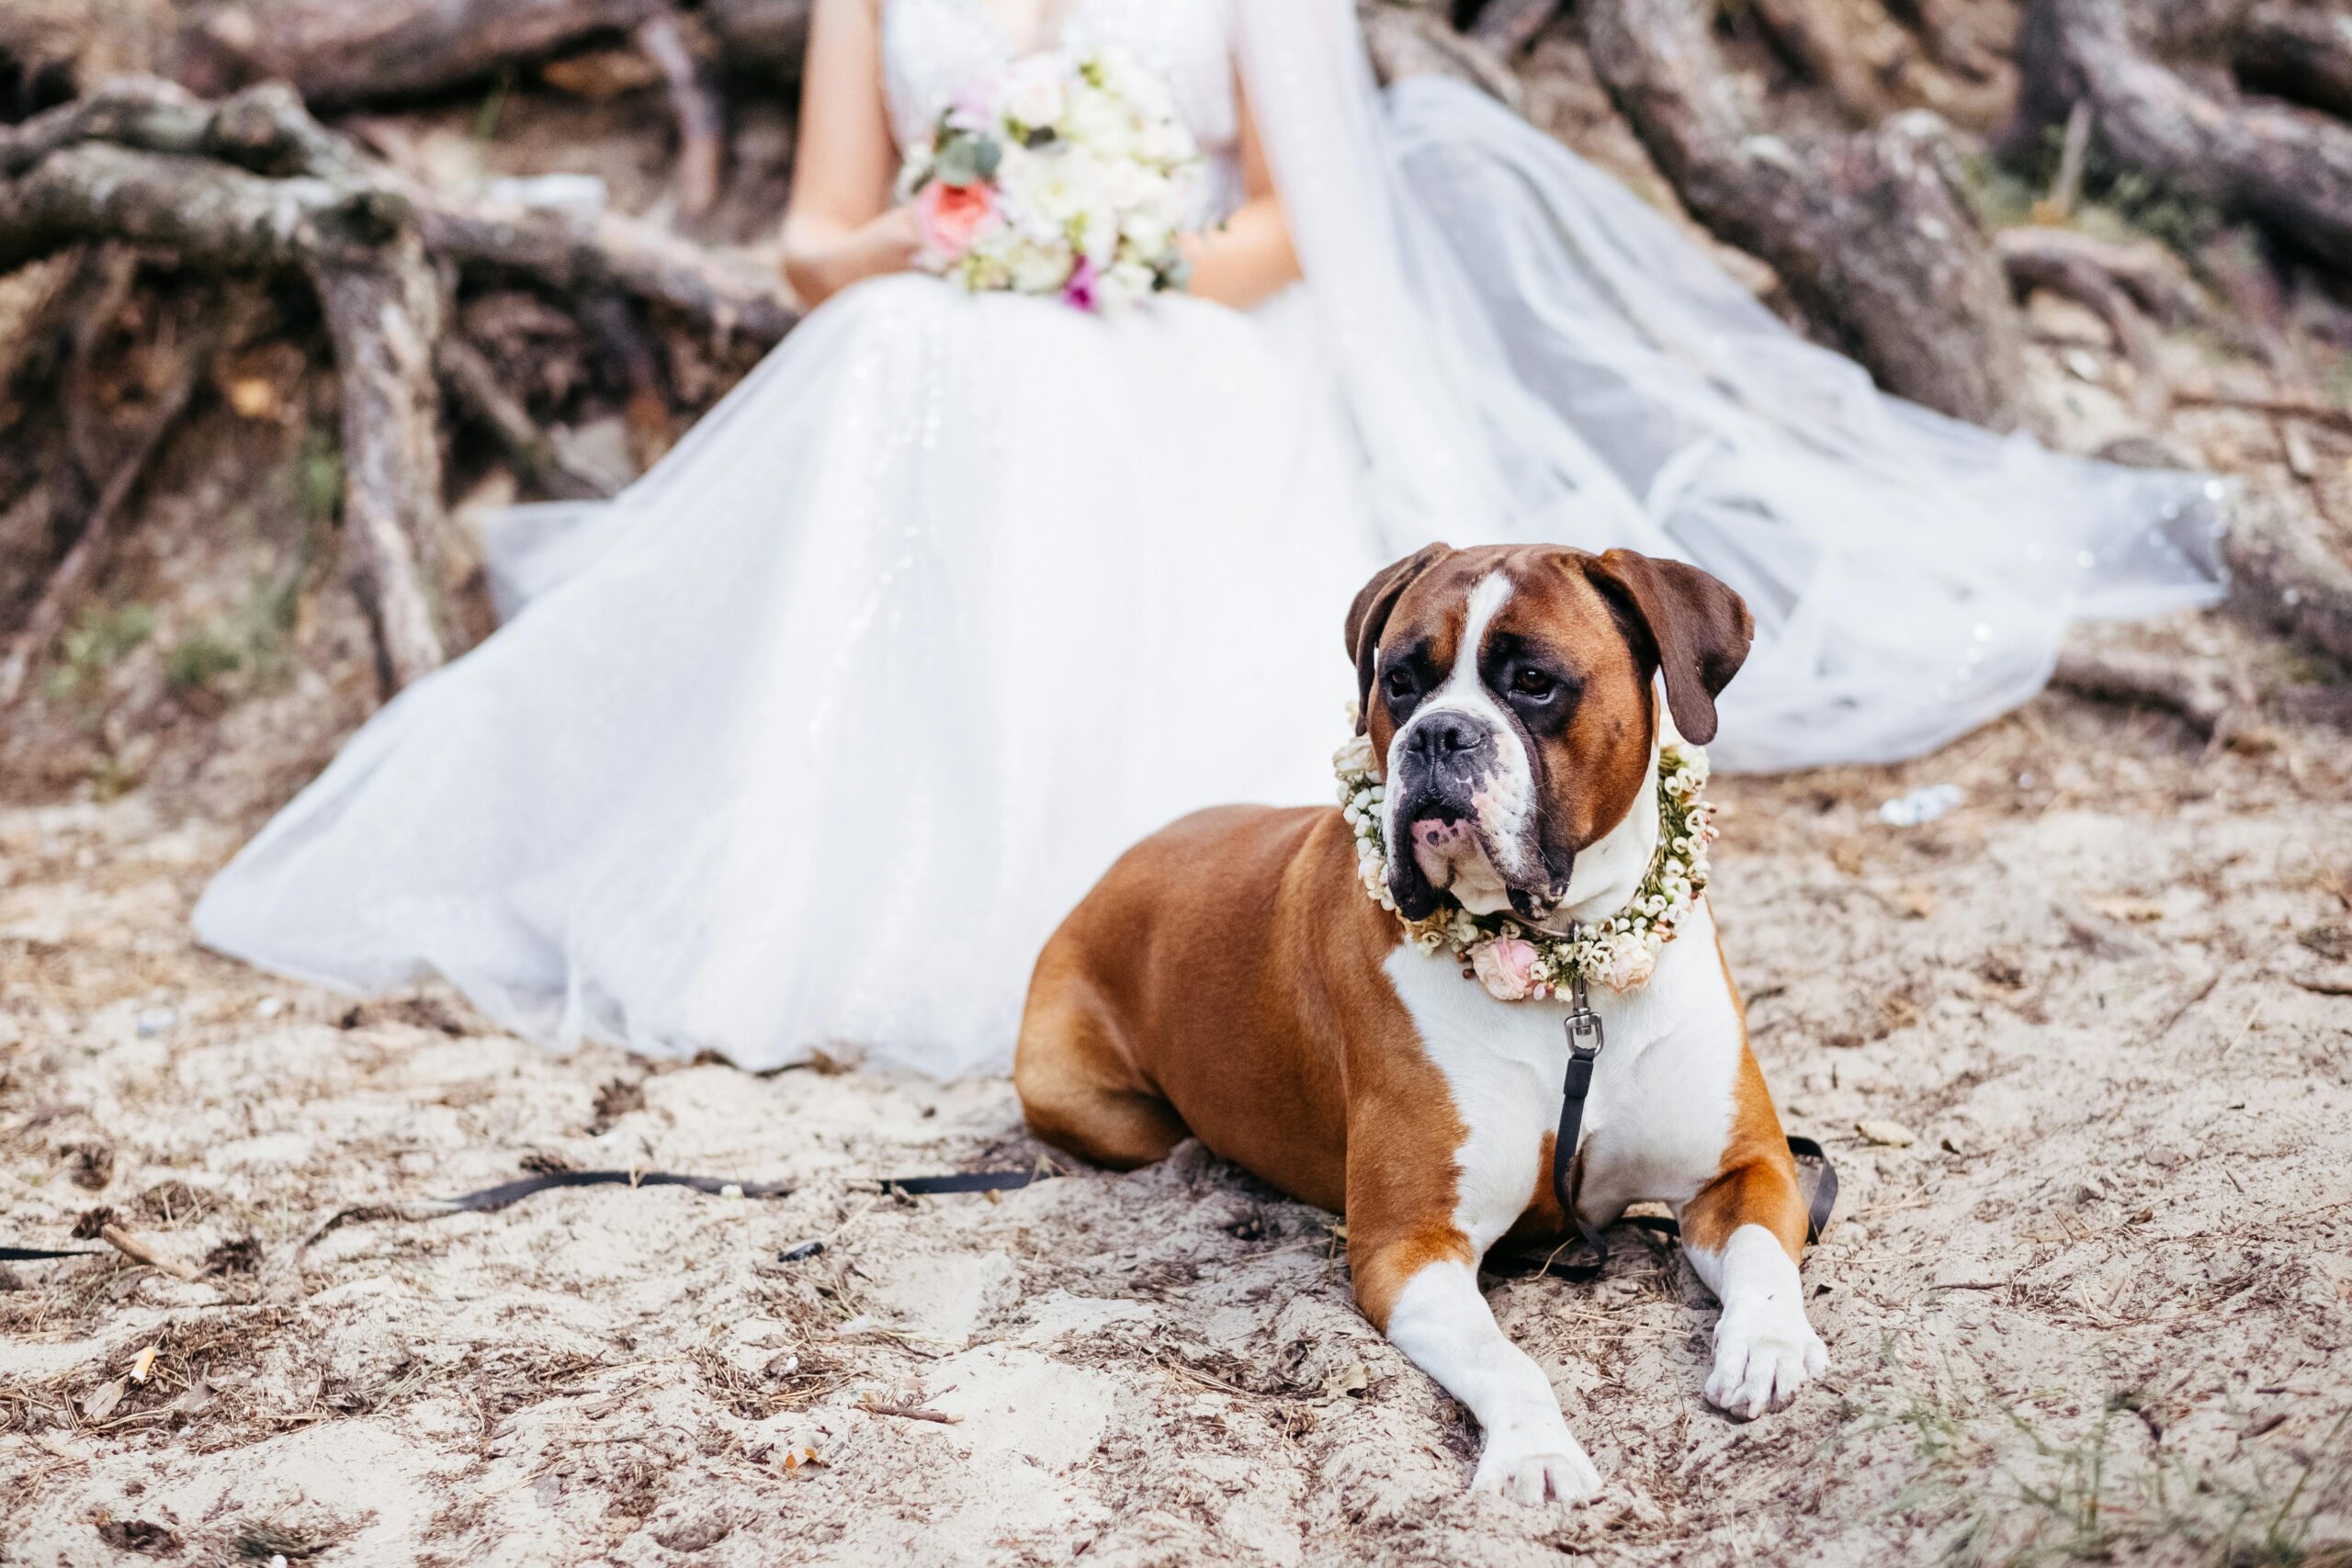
(1496, 601)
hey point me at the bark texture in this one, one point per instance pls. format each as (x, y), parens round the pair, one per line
(2147, 70)
(337, 53)
(323, 217)
(1873, 234)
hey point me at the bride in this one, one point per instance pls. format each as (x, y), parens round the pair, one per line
(810, 738)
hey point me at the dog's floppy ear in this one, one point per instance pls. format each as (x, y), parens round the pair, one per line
(1700, 628)
(1368, 618)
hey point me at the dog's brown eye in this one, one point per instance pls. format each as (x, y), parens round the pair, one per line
(1400, 683)
(1533, 683)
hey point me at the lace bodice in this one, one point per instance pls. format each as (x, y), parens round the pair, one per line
(933, 47)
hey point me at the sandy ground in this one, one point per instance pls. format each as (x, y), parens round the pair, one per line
(2098, 1305)
(2101, 1304)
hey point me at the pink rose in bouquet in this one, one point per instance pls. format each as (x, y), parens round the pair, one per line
(955, 217)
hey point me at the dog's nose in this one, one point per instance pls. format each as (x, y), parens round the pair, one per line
(1445, 737)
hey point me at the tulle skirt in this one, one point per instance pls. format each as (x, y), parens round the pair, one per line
(810, 738)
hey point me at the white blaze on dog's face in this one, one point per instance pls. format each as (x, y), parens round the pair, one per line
(1510, 693)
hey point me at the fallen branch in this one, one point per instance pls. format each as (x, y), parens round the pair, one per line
(138, 1251)
(1873, 234)
(65, 587)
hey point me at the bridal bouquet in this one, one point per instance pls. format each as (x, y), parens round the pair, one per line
(1070, 177)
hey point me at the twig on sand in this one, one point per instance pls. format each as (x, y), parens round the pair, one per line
(138, 1251)
(908, 1412)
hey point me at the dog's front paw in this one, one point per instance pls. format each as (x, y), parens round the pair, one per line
(1764, 1353)
(1525, 1465)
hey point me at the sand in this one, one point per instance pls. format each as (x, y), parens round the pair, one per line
(2099, 1300)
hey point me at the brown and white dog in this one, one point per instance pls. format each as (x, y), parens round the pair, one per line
(1229, 979)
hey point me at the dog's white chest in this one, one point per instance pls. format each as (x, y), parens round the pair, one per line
(1661, 1103)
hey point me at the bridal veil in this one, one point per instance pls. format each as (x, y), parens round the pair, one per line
(1528, 352)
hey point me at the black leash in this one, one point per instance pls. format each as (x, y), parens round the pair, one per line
(1585, 1041)
(1585, 1038)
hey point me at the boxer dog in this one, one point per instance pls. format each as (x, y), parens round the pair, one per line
(1230, 980)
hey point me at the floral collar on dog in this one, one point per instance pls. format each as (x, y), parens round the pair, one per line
(1516, 961)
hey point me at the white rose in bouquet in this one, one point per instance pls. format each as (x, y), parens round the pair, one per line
(1067, 176)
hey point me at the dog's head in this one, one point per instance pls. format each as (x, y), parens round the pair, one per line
(1509, 691)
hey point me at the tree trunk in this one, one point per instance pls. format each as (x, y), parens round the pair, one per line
(1873, 233)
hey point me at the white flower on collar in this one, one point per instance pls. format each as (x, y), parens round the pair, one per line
(1510, 959)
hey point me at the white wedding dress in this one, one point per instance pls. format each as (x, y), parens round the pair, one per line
(810, 738)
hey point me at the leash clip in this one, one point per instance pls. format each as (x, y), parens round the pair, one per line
(1583, 1024)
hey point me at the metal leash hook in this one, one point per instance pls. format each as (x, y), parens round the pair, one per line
(1585, 1038)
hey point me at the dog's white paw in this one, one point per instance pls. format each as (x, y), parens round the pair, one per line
(1524, 1465)
(1765, 1351)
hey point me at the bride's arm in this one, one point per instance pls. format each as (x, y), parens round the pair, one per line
(841, 225)
(1250, 256)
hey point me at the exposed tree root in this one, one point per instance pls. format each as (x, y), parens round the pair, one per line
(720, 295)
(2284, 165)
(702, 123)
(2283, 578)
(49, 614)
(186, 186)
(2198, 690)
(1507, 28)
(1873, 234)
(473, 385)
(335, 53)
(2118, 283)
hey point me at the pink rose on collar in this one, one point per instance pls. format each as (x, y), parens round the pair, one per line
(954, 217)
(1506, 966)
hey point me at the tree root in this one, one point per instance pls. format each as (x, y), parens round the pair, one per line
(2282, 164)
(337, 53)
(718, 295)
(1508, 27)
(2284, 579)
(702, 122)
(2123, 285)
(2196, 691)
(185, 184)
(474, 387)
(48, 612)
(1873, 234)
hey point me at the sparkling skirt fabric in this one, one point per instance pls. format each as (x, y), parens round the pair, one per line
(811, 737)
